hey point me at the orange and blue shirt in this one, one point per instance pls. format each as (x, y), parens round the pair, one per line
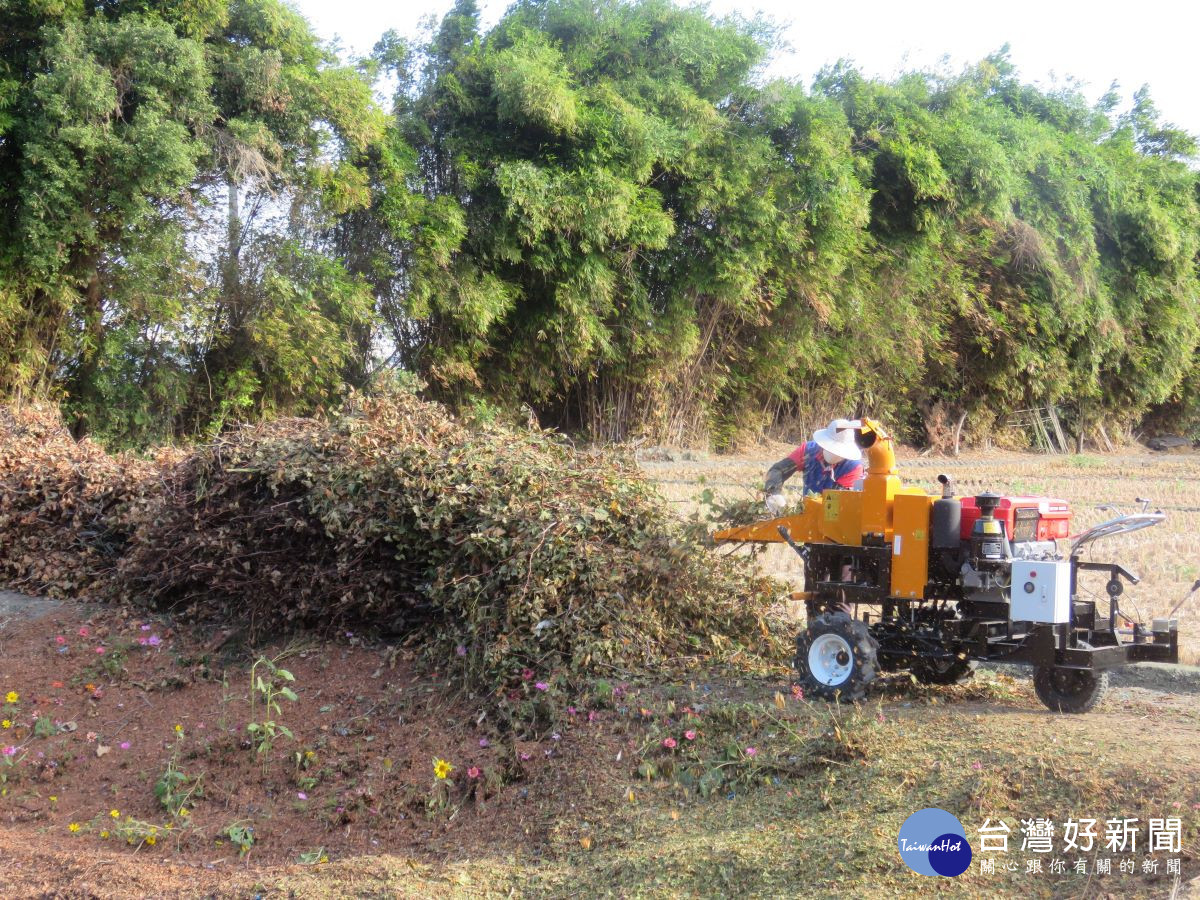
(818, 475)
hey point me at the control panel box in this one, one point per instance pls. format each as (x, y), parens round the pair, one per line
(1041, 591)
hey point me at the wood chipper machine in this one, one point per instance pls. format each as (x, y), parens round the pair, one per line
(948, 581)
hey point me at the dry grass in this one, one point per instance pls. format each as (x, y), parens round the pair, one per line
(1167, 557)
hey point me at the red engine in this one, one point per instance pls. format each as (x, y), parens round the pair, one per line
(1024, 518)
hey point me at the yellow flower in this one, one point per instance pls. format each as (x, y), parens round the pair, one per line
(150, 840)
(7, 723)
(53, 798)
(183, 811)
(104, 834)
(73, 827)
(441, 768)
(114, 814)
(12, 697)
(179, 729)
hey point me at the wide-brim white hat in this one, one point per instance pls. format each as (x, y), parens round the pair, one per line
(838, 438)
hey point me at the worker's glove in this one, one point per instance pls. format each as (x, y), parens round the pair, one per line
(776, 504)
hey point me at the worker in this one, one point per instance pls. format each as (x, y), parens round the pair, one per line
(830, 461)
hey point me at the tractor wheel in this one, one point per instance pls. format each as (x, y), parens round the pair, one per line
(1070, 690)
(836, 657)
(943, 671)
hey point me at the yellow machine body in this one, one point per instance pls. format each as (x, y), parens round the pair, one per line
(883, 512)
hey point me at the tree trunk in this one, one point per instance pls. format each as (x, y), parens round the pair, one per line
(83, 385)
(230, 273)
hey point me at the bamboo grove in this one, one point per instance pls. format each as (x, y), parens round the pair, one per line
(599, 211)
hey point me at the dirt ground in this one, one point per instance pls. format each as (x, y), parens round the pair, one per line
(120, 700)
(562, 817)
(133, 773)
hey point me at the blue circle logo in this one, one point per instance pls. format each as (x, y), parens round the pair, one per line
(933, 842)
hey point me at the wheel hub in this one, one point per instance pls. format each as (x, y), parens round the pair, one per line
(830, 658)
(1070, 681)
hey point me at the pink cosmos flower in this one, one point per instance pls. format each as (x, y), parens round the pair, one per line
(83, 632)
(460, 650)
(484, 743)
(570, 710)
(10, 751)
(591, 715)
(99, 649)
(670, 743)
(302, 795)
(527, 674)
(60, 639)
(525, 757)
(124, 745)
(542, 686)
(145, 628)
(473, 772)
(977, 766)
(751, 752)
(690, 735)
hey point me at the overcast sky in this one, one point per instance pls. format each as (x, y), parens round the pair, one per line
(1097, 42)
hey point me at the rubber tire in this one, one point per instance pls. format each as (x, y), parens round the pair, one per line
(1084, 690)
(941, 672)
(864, 667)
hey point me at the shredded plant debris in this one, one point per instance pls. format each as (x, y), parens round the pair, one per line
(498, 549)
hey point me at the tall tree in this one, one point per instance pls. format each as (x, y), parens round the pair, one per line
(122, 124)
(628, 221)
(100, 134)
(284, 320)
